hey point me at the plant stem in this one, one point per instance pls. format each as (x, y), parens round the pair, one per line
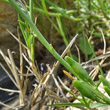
(61, 30)
(58, 14)
(31, 9)
(32, 37)
(44, 6)
(63, 3)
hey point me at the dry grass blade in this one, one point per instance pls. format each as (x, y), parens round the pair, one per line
(17, 78)
(21, 57)
(95, 71)
(78, 53)
(56, 82)
(40, 104)
(28, 68)
(107, 54)
(20, 48)
(54, 95)
(8, 106)
(104, 50)
(25, 87)
(26, 59)
(17, 39)
(32, 67)
(8, 74)
(63, 84)
(9, 90)
(27, 75)
(69, 45)
(25, 84)
(15, 73)
(36, 93)
(7, 60)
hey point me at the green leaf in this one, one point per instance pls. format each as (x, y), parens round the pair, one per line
(98, 105)
(107, 90)
(5, 1)
(104, 81)
(81, 73)
(75, 57)
(86, 90)
(25, 31)
(69, 104)
(85, 46)
(91, 92)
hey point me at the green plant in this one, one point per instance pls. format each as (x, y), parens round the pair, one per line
(88, 90)
(86, 19)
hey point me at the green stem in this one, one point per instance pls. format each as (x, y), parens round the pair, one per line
(44, 6)
(53, 14)
(61, 30)
(54, 25)
(5, 1)
(32, 48)
(58, 14)
(31, 9)
(63, 4)
(32, 37)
